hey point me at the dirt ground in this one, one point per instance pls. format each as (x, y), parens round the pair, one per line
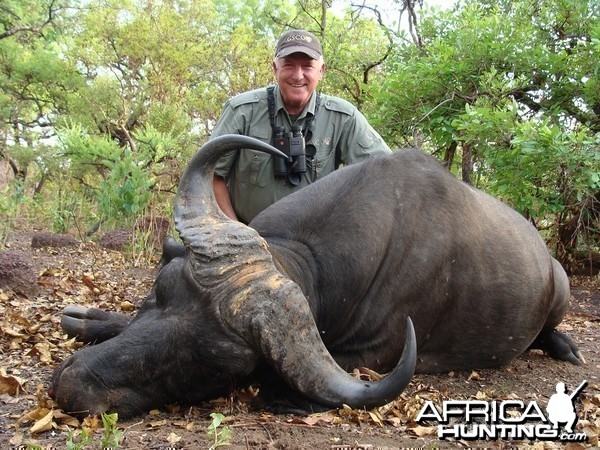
(32, 344)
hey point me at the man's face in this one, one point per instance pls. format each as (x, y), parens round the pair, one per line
(297, 75)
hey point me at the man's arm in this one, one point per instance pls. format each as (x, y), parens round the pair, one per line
(222, 196)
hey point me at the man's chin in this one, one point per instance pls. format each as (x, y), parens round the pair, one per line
(295, 100)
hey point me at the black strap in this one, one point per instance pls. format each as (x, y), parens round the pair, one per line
(310, 119)
(271, 103)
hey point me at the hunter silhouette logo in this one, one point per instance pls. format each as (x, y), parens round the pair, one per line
(561, 408)
(507, 419)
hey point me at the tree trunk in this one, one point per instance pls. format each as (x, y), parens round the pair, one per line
(467, 163)
(449, 155)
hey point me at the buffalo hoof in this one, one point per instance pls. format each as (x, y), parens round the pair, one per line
(92, 325)
(558, 346)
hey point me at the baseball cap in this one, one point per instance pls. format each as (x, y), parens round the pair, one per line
(294, 41)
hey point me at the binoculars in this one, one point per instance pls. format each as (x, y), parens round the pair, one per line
(293, 145)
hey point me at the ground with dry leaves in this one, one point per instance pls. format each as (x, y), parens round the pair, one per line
(32, 344)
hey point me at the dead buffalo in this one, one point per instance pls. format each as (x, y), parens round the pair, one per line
(322, 282)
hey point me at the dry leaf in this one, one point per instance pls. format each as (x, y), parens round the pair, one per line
(423, 431)
(35, 328)
(375, 417)
(65, 419)
(71, 343)
(19, 319)
(17, 439)
(157, 423)
(35, 415)
(43, 424)
(309, 420)
(126, 306)
(474, 376)
(46, 318)
(368, 374)
(173, 438)
(41, 350)
(92, 422)
(12, 332)
(10, 385)
(90, 284)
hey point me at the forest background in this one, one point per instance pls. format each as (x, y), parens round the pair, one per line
(103, 102)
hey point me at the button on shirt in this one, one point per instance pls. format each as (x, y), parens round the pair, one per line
(250, 175)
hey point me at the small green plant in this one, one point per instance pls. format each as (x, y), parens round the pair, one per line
(110, 439)
(220, 436)
(34, 447)
(78, 442)
(112, 435)
(127, 190)
(13, 202)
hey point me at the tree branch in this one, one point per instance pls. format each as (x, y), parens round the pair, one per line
(36, 30)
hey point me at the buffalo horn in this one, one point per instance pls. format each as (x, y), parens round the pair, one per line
(231, 263)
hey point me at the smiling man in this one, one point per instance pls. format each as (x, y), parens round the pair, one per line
(319, 131)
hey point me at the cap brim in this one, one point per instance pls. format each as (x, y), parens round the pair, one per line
(298, 49)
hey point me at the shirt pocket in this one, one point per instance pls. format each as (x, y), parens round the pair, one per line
(255, 166)
(323, 162)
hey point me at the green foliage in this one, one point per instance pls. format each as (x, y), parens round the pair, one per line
(34, 81)
(80, 441)
(130, 89)
(536, 165)
(34, 447)
(219, 435)
(126, 189)
(112, 435)
(511, 87)
(12, 198)
(13, 202)
(103, 102)
(124, 182)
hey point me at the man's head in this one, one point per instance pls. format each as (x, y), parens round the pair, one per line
(298, 68)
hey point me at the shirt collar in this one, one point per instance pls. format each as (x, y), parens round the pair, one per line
(308, 109)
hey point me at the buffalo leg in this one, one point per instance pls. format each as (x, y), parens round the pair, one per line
(92, 325)
(558, 346)
(554, 343)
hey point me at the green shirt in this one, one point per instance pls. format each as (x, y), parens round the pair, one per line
(252, 185)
